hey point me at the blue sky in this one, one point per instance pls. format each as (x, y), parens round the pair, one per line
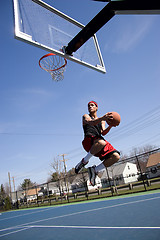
(41, 119)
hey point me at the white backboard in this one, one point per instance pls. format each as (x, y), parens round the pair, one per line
(42, 25)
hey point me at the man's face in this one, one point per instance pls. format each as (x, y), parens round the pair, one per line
(92, 107)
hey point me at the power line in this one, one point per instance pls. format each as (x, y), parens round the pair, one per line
(142, 122)
(145, 120)
(39, 134)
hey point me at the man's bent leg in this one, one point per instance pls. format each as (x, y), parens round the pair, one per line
(97, 146)
(93, 171)
(111, 160)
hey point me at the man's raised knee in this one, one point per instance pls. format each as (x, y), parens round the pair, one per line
(116, 156)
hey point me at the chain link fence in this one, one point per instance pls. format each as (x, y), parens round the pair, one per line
(128, 176)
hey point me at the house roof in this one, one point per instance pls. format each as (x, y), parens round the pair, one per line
(33, 191)
(153, 160)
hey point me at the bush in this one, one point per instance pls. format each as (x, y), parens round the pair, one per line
(7, 204)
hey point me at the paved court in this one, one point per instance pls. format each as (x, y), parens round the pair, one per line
(133, 217)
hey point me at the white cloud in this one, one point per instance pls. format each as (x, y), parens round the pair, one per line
(28, 99)
(130, 33)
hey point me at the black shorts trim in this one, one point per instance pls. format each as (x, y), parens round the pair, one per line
(109, 154)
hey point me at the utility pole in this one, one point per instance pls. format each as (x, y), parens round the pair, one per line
(65, 170)
(9, 184)
(13, 184)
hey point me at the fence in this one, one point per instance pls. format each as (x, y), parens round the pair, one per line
(127, 176)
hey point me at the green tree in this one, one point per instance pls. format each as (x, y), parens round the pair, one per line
(2, 196)
(27, 183)
(54, 176)
(2, 191)
(5, 201)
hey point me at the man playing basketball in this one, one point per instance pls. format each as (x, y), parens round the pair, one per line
(95, 144)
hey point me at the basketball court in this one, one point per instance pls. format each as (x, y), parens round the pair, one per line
(133, 217)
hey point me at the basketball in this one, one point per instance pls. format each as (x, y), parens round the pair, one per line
(115, 121)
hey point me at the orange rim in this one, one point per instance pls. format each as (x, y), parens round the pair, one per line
(51, 54)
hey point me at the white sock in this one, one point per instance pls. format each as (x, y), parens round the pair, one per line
(87, 157)
(99, 168)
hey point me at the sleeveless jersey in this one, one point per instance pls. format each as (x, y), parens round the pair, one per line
(92, 130)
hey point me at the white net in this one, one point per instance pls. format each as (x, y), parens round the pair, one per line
(55, 65)
(58, 75)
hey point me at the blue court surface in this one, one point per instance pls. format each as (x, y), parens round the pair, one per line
(132, 217)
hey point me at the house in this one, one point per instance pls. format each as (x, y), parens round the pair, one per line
(31, 194)
(58, 188)
(153, 165)
(120, 174)
(97, 185)
(53, 188)
(81, 183)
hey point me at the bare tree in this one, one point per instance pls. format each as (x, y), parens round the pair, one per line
(6, 188)
(123, 156)
(57, 175)
(142, 157)
(141, 150)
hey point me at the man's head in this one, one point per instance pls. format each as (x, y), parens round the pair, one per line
(92, 106)
(94, 103)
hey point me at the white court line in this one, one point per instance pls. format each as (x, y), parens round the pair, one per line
(54, 207)
(77, 227)
(93, 227)
(82, 212)
(11, 228)
(25, 228)
(25, 214)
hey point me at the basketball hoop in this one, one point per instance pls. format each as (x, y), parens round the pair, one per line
(54, 64)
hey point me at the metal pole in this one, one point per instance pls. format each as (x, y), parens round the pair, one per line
(109, 181)
(141, 173)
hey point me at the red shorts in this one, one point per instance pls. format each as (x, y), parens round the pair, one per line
(104, 153)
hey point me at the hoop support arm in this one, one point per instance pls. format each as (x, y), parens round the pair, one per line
(90, 29)
(112, 8)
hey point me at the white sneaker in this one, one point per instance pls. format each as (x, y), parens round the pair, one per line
(80, 165)
(92, 175)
